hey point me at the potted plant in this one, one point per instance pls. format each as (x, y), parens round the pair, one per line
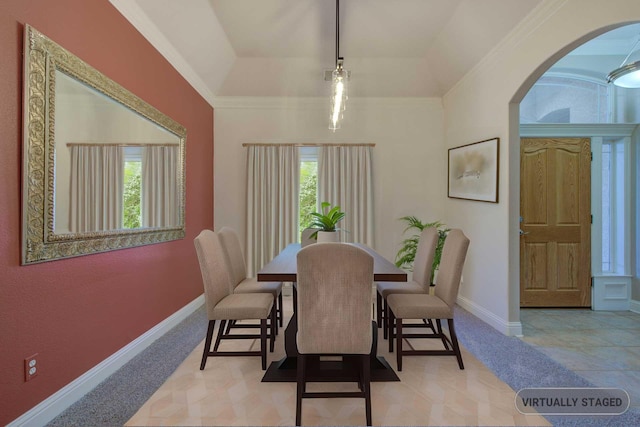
(325, 222)
(407, 253)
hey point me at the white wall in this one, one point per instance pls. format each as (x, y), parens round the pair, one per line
(484, 104)
(409, 161)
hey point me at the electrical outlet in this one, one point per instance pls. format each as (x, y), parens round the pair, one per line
(31, 367)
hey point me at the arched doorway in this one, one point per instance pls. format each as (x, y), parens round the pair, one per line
(515, 110)
(593, 344)
(484, 104)
(572, 115)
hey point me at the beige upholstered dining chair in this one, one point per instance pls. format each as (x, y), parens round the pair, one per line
(438, 306)
(420, 279)
(225, 306)
(241, 283)
(334, 313)
(305, 237)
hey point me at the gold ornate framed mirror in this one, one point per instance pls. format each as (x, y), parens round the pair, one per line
(102, 169)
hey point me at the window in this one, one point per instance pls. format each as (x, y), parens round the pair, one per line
(131, 211)
(308, 185)
(566, 99)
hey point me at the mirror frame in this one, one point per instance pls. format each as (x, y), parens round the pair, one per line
(42, 57)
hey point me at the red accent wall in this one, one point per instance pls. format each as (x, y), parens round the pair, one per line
(77, 312)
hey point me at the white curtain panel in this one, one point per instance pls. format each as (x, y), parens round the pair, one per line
(97, 174)
(273, 186)
(160, 186)
(345, 178)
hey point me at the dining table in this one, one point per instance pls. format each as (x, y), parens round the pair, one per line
(283, 268)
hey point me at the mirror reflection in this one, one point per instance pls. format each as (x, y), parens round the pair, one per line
(114, 169)
(102, 169)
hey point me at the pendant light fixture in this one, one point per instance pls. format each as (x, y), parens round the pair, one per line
(339, 78)
(627, 76)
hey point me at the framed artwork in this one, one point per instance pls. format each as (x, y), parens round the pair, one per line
(473, 171)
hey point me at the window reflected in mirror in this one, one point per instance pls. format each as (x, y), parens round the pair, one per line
(102, 150)
(102, 169)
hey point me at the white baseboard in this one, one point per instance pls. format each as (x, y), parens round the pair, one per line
(634, 305)
(507, 328)
(55, 404)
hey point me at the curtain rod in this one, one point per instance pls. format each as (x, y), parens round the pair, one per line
(306, 145)
(115, 144)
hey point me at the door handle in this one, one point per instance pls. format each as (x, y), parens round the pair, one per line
(522, 233)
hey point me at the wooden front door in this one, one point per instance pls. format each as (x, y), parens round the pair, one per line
(555, 211)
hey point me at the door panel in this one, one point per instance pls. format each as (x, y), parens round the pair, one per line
(535, 268)
(567, 265)
(555, 205)
(533, 177)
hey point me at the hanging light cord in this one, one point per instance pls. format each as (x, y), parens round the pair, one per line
(337, 31)
(630, 52)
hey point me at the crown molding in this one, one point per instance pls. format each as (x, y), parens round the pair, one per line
(136, 16)
(514, 38)
(318, 103)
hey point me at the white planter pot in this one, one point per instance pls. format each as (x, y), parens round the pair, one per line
(328, 237)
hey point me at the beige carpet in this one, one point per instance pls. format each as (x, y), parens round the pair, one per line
(432, 391)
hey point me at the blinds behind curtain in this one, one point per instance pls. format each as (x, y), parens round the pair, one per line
(273, 181)
(96, 188)
(160, 186)
(345, 178)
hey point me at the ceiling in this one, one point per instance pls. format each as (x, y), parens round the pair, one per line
(599, 56)
(393, 48)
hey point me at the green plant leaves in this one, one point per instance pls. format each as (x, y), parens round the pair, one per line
(407, 253)
(327, 219)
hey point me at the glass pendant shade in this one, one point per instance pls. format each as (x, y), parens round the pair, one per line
(338, 96)
(627, 76)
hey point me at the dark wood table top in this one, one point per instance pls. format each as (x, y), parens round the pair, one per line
(283, 268)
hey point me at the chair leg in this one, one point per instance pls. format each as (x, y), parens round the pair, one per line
(263, 343)
(429, 324)
(454, 342)
(274, 327)
(294, 296)
(390, 323)
(229, 325)
(444, 340)
(275, 319)
(398, 334)
(301, 387)
(385, 318)
(220, 333)
(379, 309)
(365, 362)
(280, 310)
(207, 343)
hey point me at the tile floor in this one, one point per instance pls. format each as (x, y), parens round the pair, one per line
(432, 391)
(601, 346)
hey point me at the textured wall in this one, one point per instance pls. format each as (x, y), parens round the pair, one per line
(79, 311)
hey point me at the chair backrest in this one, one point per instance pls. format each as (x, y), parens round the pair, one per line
(425, 253)
(305, 239)
(216, 277)
(454, 253)
(334, 299)
(233, 252)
